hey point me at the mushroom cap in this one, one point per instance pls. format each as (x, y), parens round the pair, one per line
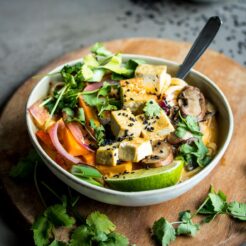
(192, 102)
(162, 155)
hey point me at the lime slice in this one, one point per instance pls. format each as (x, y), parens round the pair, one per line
(148, 179)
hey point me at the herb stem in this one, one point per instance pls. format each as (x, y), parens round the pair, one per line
(51, 190)
(45, 101)
(55, 106)
(37, 185)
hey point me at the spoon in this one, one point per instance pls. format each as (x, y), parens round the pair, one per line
(202, 42)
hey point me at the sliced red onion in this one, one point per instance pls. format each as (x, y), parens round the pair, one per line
(164, 105)
(76, 130)
(93, 86)
(53, 132)
(97, 85)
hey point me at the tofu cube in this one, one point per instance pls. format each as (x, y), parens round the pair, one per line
(155, 77)
(124, 123)
(134, 95)
(108, 155)
(156, 127)
(134, 149)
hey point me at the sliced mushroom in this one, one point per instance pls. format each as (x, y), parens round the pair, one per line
(192, 102)
(173, 139)
(162, 155)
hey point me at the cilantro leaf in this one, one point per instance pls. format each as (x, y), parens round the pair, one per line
(25, 167)
(187, 227)
(115, 239)
(213, 205)
(152, 108)
(99, 132)
(101, 98)
(42, 231)
(100, 222)
(237, 210)
(163, 232)
(58, 216)
(81, 234)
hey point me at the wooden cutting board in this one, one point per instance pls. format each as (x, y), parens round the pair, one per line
(229, 175)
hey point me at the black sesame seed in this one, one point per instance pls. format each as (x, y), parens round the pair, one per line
(161, 151)
(131, 124)
(151, 102)
(159, 143)
(131, 99)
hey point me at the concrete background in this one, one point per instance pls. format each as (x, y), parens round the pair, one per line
(34, 32)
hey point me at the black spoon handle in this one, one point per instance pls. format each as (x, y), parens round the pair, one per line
(204, 39)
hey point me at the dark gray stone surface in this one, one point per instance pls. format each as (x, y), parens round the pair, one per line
(34, 32)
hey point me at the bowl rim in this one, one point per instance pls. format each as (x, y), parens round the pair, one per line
(200, 175)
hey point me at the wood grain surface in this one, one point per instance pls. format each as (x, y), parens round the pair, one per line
(229, 175)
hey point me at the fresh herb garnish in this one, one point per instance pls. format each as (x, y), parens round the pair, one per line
(99, 132)
(102, 99)
(152, 108)
(216, 203)
(194, 153)
(70, 116)
(25, 167)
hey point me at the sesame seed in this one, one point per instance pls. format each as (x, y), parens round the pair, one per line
(131, 124)
(131, 99)
(161, 151)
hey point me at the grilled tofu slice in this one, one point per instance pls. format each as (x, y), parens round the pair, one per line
(155, 77)
(156, 127)
(124, 123)
(134, 149)
(134, 95)
(108, 155)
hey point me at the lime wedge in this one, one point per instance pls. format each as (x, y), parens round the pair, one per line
(148, 179)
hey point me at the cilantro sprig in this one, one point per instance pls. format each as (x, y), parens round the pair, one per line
(194, 153)
(152, 108)
(215, 203)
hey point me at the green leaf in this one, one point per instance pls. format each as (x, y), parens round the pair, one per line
(82, 235)
(163, 232)
(100, 222)
(99, 132)
(81, 115)
(213, 205)
(152, 108)
(58, 243)
(237, 210)
(42, 231)
(115, 239)
(25, 167)
(99, 49)
(187, 227)
(217, 202)
(90, 61)
(86, 72)
(58, 216)
(180, 132)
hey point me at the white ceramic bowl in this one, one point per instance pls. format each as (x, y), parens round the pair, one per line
(141, 198)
